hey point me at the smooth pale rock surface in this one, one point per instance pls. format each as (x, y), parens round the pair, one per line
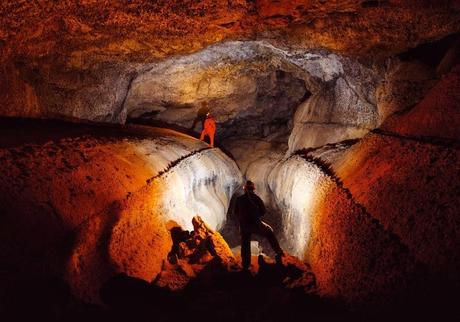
(86, 203)
(257, 158)
(297, 189)
(343, 108)
(201, 185)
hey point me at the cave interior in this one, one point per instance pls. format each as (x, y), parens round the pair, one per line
(344, 114)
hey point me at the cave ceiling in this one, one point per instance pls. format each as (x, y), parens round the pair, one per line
(149, 30)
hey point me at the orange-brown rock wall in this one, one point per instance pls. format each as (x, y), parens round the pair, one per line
(392, 226)
(87, 203)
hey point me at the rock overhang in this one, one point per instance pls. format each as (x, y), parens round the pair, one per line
(140, 30)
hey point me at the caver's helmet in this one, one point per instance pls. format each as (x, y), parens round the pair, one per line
(250, 186)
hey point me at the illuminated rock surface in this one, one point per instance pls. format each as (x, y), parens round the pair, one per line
(100, 198)
(206, 280)
(382, 222)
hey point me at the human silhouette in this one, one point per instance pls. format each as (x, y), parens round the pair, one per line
(209, 129)
(249, 209)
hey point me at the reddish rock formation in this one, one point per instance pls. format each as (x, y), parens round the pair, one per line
(85, 203)
(83, 30)
(376, 224)
(393, 213)
(191, 253)
(78, 58)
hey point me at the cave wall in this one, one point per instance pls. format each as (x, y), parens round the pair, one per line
(418, 158)
(344, 106)
(83, 205)
(381, 224)
(141, 30)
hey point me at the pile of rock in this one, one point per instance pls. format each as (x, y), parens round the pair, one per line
(202, 255)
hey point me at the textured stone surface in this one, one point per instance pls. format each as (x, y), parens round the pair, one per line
(191, 253)
(343, 108)
(82, 30)
(414, 194)
(85, 203)
(204, 255)
(250, 87)
(387, 213)
(356, 260)
(382, 222)
(77, 59)
(404, 84)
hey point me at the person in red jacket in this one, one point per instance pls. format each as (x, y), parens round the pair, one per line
(209, 129)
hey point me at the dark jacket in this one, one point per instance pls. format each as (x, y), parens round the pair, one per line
(248, 209)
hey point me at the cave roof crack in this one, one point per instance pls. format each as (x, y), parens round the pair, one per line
(121, 108)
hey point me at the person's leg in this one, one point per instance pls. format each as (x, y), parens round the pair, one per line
(246, 249)
(267, 232)
(202, 135)
(211, 138)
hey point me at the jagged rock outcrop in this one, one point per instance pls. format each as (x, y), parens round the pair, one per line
(86, 203)
(203, 254)
(362, 213)
(203, 278)
(191, 253)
